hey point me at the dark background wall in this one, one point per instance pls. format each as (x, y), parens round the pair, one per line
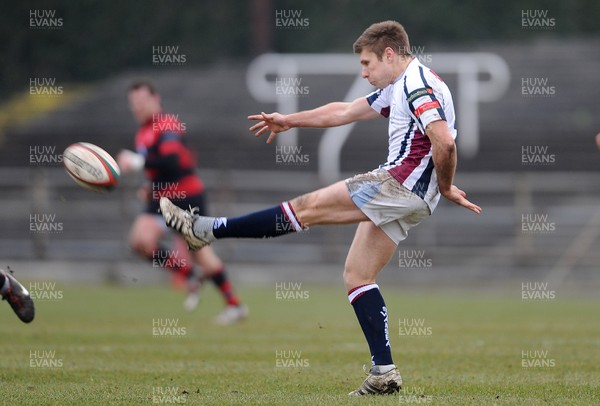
(99, 37)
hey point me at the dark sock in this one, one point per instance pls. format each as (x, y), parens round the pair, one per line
(273, 222)
(169, 260)
(371, 312)
(226, 288)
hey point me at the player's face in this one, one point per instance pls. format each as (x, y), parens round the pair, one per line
(143, 104)
(378, 72)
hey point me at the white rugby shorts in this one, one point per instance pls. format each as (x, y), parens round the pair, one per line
(387, 203)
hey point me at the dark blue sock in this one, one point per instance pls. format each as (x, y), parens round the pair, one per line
(273, 222)
(373, 318)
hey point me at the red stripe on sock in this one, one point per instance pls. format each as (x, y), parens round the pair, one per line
(369, 286)
(358, 287)
(293, 213)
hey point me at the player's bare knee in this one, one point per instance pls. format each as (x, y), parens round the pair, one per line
(142, 246)
(351, 278)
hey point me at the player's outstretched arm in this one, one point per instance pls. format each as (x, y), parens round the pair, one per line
(444, 159)
(329, 115)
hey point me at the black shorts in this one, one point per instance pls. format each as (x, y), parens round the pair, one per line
(198, 201)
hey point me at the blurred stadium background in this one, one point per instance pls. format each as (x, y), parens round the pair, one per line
(535, 166)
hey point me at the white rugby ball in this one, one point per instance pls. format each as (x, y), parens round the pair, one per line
(91, 166)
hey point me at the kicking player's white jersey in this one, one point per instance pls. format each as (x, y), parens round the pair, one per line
(417, 98)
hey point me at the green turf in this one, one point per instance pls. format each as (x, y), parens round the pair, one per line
(96, 346)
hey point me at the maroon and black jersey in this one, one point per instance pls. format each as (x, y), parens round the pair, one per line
(170, 165)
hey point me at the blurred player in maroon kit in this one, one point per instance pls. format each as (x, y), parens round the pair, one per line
(170, 167)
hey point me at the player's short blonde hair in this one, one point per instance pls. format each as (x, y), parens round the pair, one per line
(381, 35)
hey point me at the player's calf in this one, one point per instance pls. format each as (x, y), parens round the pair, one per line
(200, 231)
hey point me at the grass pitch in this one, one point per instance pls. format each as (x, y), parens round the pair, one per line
(115, 345)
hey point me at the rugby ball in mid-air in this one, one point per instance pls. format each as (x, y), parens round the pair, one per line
(91, 166)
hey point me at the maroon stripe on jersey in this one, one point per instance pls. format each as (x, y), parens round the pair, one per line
(419, 148)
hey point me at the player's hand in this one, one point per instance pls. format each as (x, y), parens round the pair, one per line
(129, 161)
(274, 122)
(460, 197)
